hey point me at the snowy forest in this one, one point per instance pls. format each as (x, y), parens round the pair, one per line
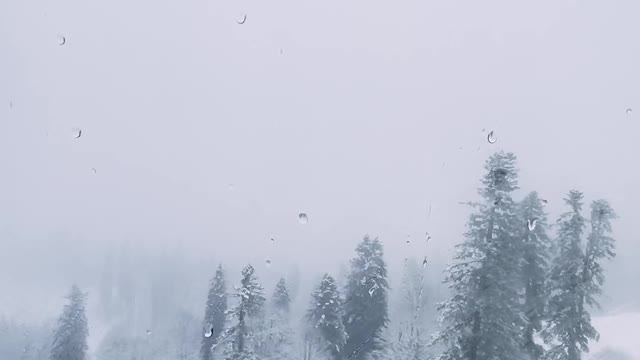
(520, 286)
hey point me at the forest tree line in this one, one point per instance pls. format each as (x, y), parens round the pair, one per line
(519, 288)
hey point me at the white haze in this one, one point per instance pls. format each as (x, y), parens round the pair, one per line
(369, 116)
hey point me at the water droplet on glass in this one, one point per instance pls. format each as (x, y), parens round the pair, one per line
(424, 262)
(281, 51)
(531, 224)
(544, 201)
(208, 331)
(491, 137)
(373, 289)
(629, 111)
(62, 40)
(267, 263)
(93, 170)
(76, 132)
(428, 236)
(303, 218)
(244, 19)
(497, 201)
(10, 104)
(148, 332)
(273, 240)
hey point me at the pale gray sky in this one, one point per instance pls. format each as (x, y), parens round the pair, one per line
(363, 114)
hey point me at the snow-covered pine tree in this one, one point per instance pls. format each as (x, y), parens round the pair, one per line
(281, 300)
(248, 315)
(569, 329)
(411, 343)
(576, 277)
(277, 335)
(70, 335)
(325, 318)
(365, 310)
(482, 320)
(600, 246)
(536, 254)
(215, 314)
(414, 298)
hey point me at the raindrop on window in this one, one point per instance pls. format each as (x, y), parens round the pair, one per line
(428, 236)
(208, 331)
(544, 201)
(76, 132)
(273, 240)
(497, 200)
(10, 104)
(267, 263)
(62, 40)
(424, 262)
(491, 137)
(148, 332)
(531, 224)
(408, 239)
(93, 170)
(629, 111)
(373, 289)
(303, 218)
(244, 19)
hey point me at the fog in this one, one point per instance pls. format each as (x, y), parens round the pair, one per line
(203, 139)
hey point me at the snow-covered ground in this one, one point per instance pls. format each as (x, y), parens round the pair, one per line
(618, 337)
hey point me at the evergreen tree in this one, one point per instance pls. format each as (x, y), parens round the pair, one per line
(325, 318)
(536, 253)
(411, 344)
(365, 312)
(482, 320)
(414, 298)
(215, 314)
(278, 335)
(247, 314)
(576, 277)
(70, 336)
(281, 300)
(411, 340)
(600, 246)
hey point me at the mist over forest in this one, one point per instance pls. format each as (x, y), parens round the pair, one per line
(319, 180)
(131, 302)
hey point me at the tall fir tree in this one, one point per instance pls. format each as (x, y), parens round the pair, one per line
(215, 314)
(482, 320)
(365, 310)
(70, 335)
(247, 314)
(281, 300)
(535, 267)
(600, 246)
(411, 344)
(277, 335)
(325, 319)
(411, 341)
(576, 277)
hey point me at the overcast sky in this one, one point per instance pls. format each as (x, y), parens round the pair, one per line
(209, 137)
